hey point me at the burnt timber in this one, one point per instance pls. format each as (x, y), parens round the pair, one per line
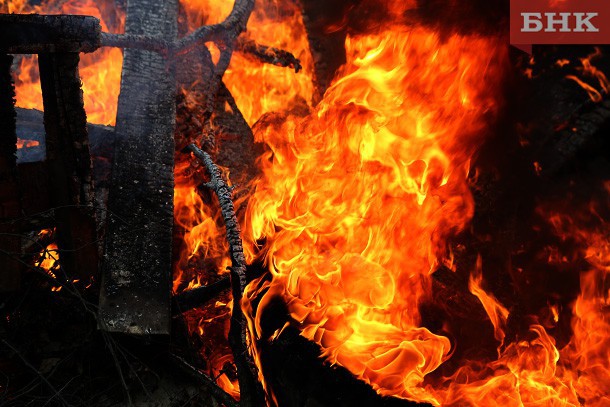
(135, 295)
(67, 168)
(10, 241)
(33, 33)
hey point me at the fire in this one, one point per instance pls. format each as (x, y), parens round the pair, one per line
(497, 313)
(22, 143)
(258, 88)
(49, 256)
(533, 371)
(359, 198)
(588, 70)
(100, 71)
(357, 205)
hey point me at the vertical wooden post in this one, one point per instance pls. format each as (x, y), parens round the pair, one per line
(10, 243)
(69, 164)
(136, 282)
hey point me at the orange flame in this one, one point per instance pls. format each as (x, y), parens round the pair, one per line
(496, 312)
(590, 71)
(49, 257)
(358, 199)
(357, 204)
(257, 89)
(21, 143)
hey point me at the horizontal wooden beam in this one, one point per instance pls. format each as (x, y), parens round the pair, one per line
(34, 34)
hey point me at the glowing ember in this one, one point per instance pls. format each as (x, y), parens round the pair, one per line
(21, 143)
(49, 257)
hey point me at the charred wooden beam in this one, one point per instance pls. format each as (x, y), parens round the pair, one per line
(143, 42)
(566, 143)
(69, 164)
(10, 243)
(37, 211)
(198, 297)
(136, 282)
(33, 33)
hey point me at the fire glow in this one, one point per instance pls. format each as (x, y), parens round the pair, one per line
(358, 202)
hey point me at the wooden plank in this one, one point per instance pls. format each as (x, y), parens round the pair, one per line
(69, 164)
(136, 281)
(33, 33)
(10, 243)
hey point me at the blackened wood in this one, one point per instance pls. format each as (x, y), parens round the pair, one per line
(69, 164)
(33, 33)
(35, 194)
(10, 243)
(251, 392)
(36, 210)
(210, 385)
(138, 41)
(327, 48)
(299, 376)
(566, 143)
(198, 297)
(137, 264)
(267, 54)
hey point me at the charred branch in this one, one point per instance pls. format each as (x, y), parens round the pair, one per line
(33, 33)
(137, 41)
(260, 52)
(199, 296)
(268, 55)
(218, 393)
(250, 389)
(224, 34)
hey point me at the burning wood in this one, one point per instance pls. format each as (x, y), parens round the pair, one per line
(250, 395)
(392, 214)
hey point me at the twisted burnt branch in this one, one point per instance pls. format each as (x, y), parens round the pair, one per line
(268, 55)
(250, 389)
(224, 35)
